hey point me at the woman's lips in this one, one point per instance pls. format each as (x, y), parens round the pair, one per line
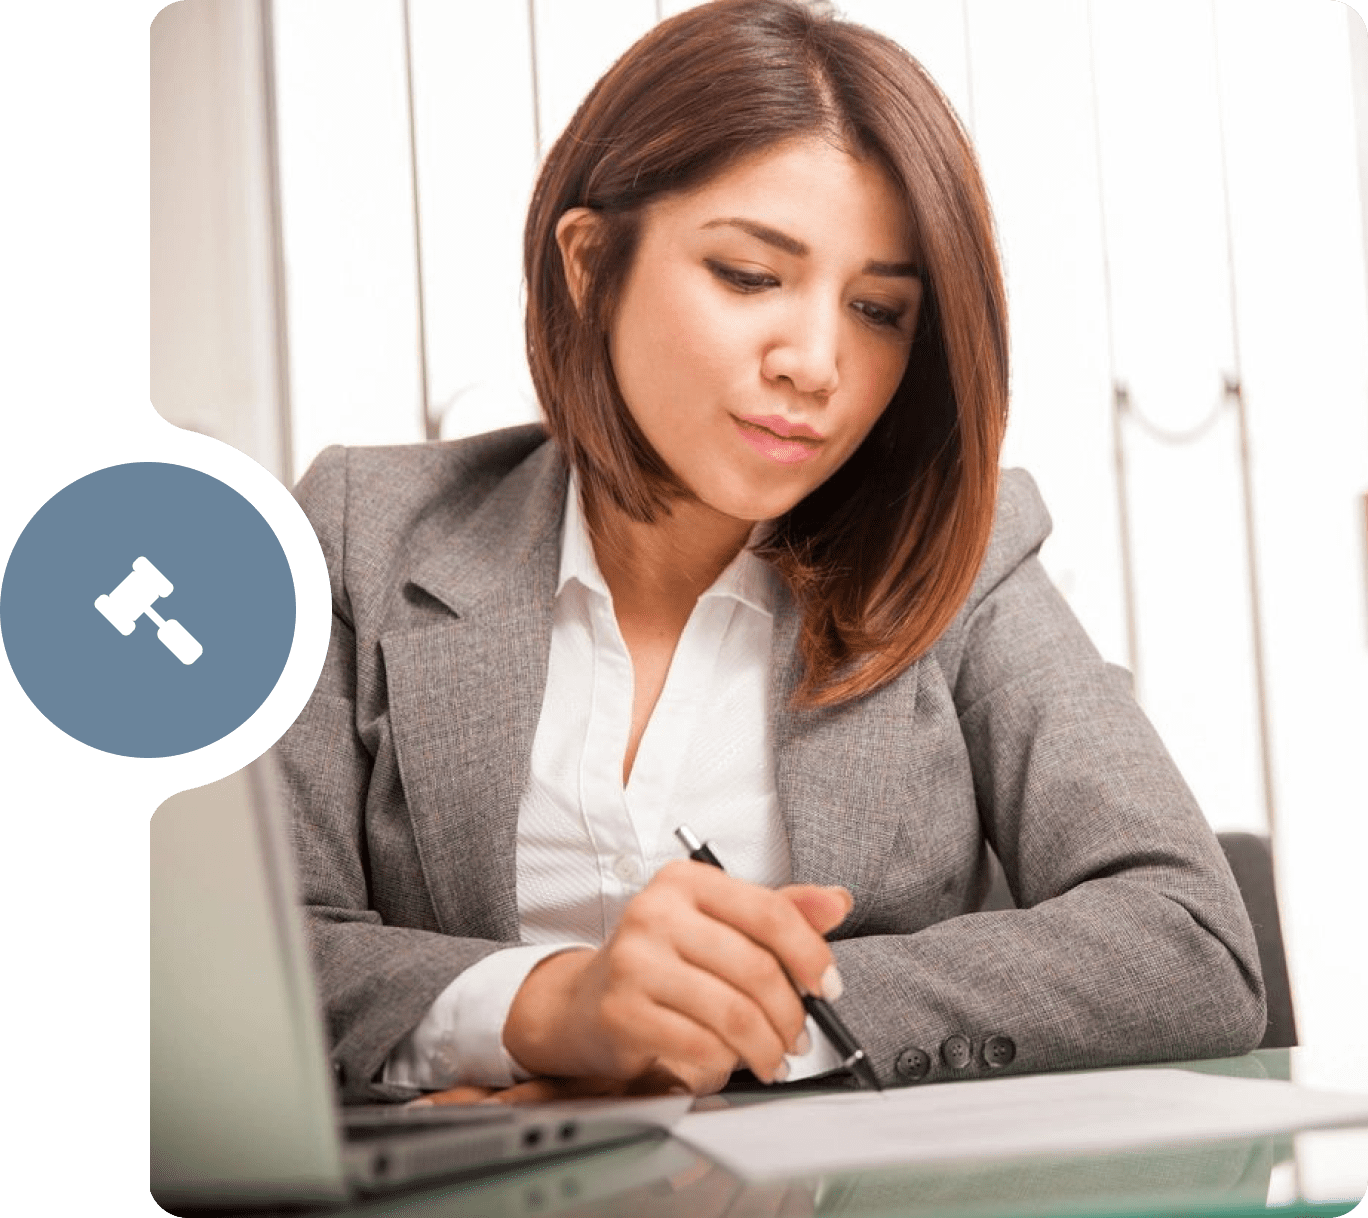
(778, 439)
(781, 427)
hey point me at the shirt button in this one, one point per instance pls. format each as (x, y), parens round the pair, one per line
(627, 869)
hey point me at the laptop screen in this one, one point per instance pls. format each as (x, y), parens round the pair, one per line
(241, 1096)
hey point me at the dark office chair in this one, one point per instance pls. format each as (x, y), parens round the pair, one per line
(1251, 861)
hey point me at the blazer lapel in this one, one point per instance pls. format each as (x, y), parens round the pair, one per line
(466, 694)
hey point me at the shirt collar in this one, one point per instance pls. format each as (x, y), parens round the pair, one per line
(577, 559)
(746, 579)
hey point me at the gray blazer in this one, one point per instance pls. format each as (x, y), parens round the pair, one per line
(404, 774)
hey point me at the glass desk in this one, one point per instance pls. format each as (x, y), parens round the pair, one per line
(1315, 1173)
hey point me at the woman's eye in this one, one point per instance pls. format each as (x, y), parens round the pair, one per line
(743, 281)
(879, 315)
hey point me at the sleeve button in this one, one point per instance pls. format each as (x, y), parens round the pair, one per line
(912, 1065)
(957, 1051)
(998, 1051)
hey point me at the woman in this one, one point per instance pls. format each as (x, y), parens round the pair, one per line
(759, 577)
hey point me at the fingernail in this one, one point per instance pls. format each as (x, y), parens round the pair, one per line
(424, 1103)
(832, 985)
(803, 1044)
(781, 1073)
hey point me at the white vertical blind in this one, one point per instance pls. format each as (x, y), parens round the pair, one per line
(1296, 218)
(1163, 190)
(1037, 140)
(476, 150)
(347, 221)
(1163, 196)
(576, 44)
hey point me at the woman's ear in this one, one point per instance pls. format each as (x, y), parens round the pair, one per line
(576, 233)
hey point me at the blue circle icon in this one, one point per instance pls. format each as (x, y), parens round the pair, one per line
(147, 609)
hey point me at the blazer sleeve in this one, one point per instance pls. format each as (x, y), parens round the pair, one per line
(1132, 942)
(375, 981)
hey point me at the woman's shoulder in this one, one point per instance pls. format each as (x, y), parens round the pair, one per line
(413, 472)
(449, 516)
(1021, 524)
(387, 489)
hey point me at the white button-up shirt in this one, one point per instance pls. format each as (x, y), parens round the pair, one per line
(585, 844)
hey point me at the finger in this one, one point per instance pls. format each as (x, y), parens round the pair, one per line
(678, 1043)
(657, 1081)
(824, 908)
(549, 1090)
(664, 929)
(702, 1084)
(767, 917)
(711, 1086)
(732, 1016)
(711, 1103)
(722, 950)
(453, 1095)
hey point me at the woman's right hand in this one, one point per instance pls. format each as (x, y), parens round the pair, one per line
(694, 981)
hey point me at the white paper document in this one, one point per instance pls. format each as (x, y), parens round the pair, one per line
(1003, 1118)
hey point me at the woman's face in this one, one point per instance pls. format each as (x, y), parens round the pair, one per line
(766, 322)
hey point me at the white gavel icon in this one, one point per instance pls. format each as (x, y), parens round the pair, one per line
(134, 597)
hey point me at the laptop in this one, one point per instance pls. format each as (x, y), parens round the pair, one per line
(242, 1101)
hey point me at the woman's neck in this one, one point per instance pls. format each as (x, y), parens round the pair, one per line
(663, 568)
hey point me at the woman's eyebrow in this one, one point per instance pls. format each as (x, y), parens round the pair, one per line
(791, 245)
(763, 232)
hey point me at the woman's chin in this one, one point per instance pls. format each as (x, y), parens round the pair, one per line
(750, 509)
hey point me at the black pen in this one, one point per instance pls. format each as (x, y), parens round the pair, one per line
(854, 1058)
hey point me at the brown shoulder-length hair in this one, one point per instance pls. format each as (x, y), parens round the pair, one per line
(882, 555)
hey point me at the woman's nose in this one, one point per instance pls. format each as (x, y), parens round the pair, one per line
(805, 352)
